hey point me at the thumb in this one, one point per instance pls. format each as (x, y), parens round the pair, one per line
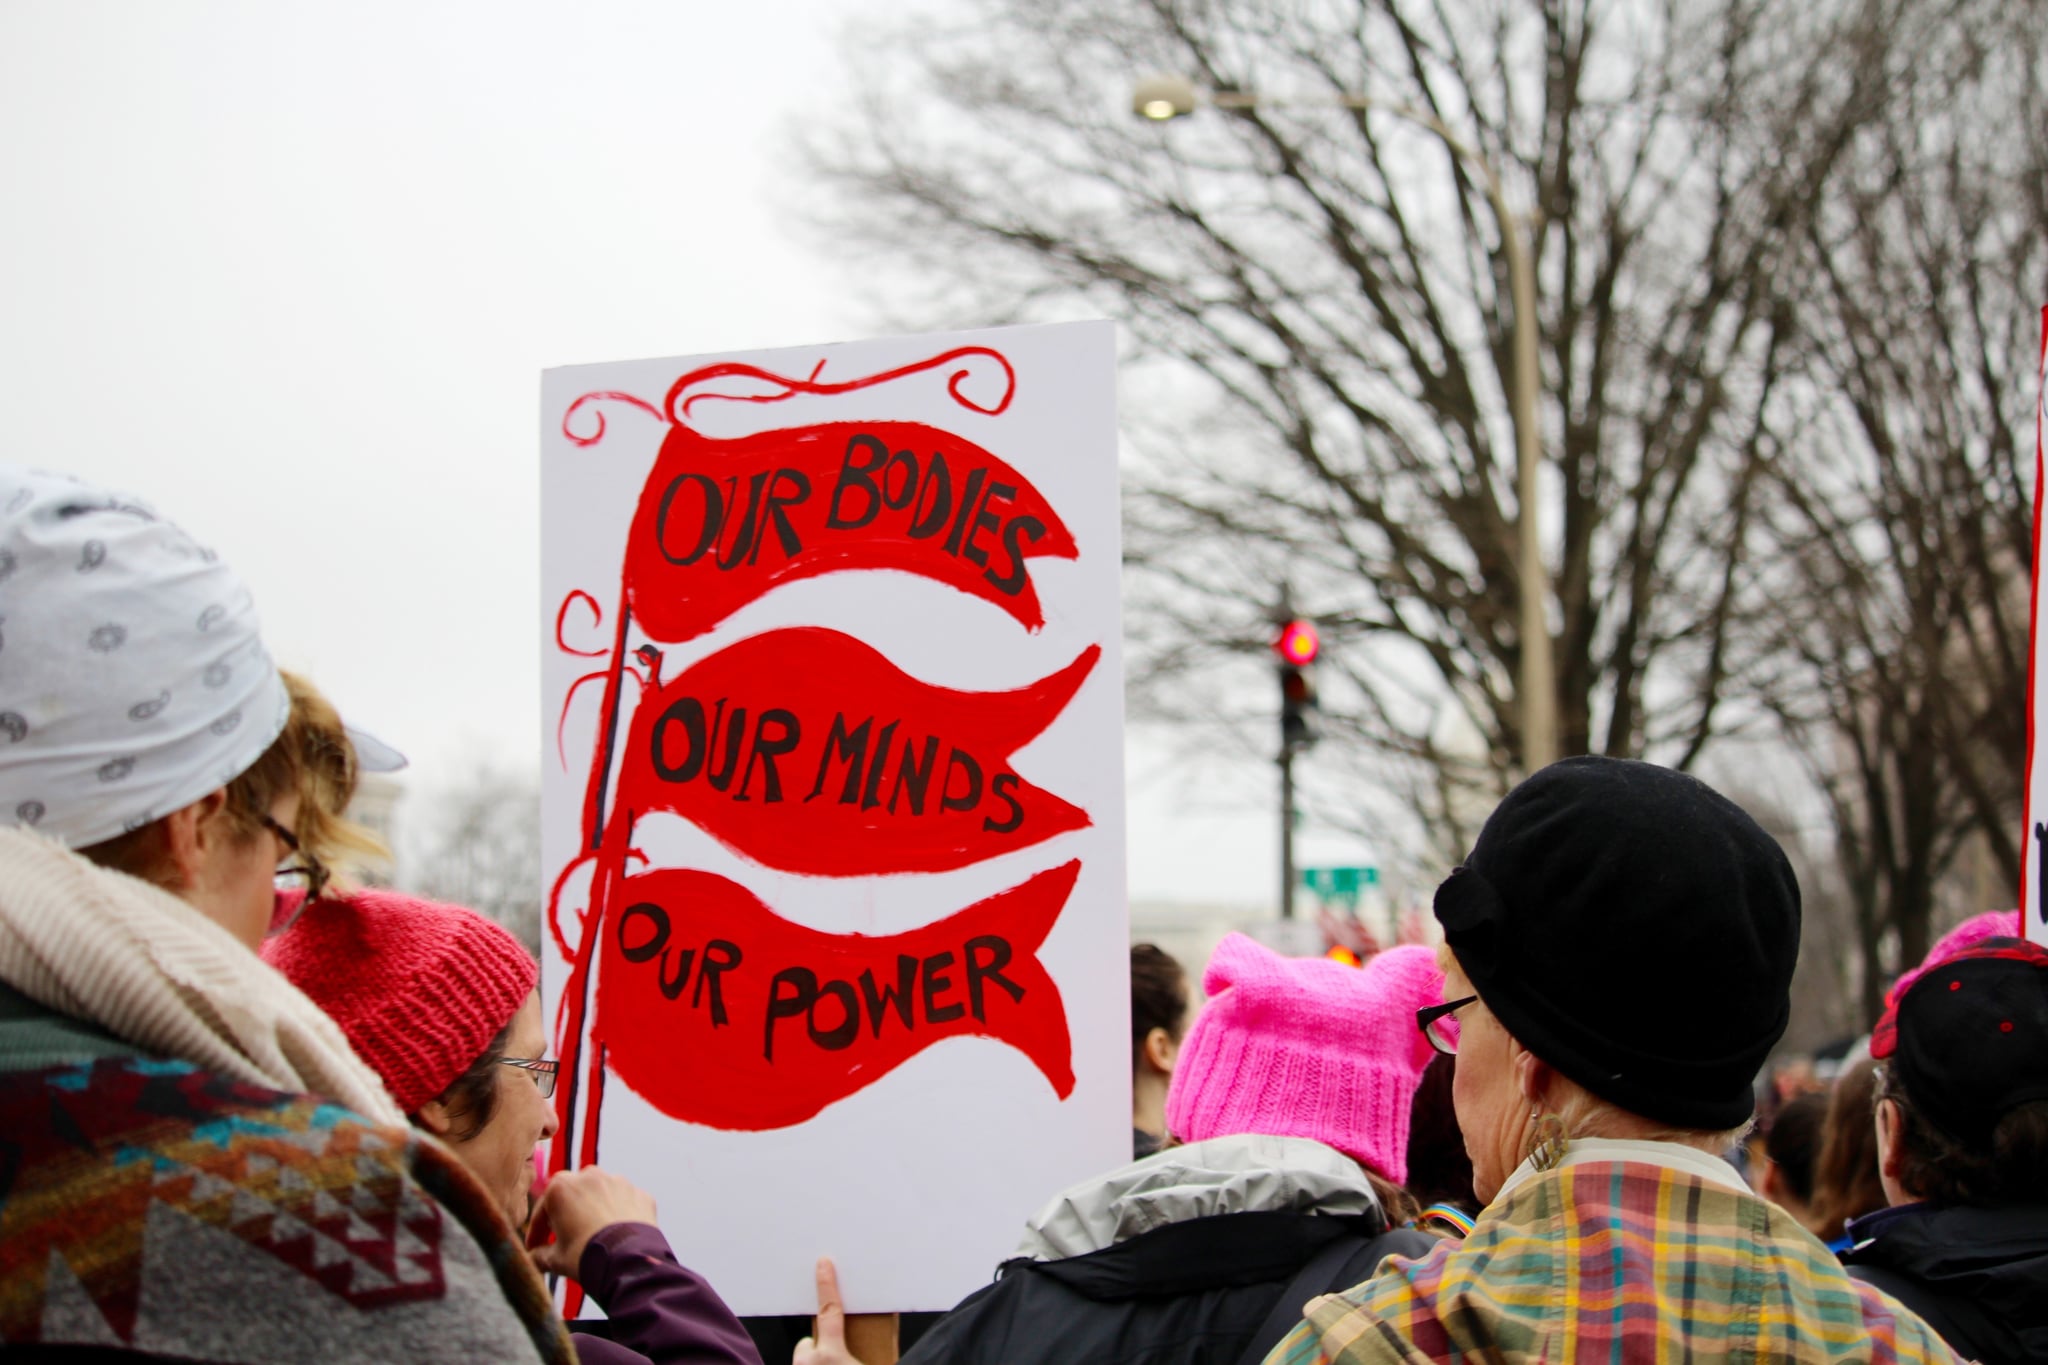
(542, 1249)
(540, 1227)
(549, 1260)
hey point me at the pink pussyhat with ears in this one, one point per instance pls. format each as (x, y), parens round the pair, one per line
(1307, 1047)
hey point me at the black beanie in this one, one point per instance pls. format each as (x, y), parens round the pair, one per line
(1635, 929)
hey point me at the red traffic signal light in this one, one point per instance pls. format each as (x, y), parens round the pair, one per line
(1298, 643)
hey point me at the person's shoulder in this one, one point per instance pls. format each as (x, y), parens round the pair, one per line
(135, 1137)
(96, 1104)
(1822, 1303)
(1897, 1332)
(119, 1108)
(994, 1321)
(34, 1037)
(1392, 1316)
(231, 1215)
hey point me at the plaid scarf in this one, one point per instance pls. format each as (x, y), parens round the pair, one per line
(1616, 1262)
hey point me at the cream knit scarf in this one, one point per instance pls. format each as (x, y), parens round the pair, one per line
(148, 968)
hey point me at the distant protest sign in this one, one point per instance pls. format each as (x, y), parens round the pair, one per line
(832, 814)
(2033, 911)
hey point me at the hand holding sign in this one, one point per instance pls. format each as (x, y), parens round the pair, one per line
(576, 1206)
(829, 1346)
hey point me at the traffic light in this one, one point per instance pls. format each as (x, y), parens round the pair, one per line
(1297, 648)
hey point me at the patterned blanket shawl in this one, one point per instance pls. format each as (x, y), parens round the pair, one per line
(171, 1211)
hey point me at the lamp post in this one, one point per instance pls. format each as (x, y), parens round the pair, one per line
(1164, 97)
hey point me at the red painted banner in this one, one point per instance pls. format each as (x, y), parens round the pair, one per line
(718, 1011)
(808, 751)
(722, 521)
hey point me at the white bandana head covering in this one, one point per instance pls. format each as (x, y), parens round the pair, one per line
(132, 678)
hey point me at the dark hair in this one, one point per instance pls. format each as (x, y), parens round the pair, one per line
(2011, 1169)
(1845, 1179)
(472, 1097)
(1439, 1169)
(1792, 1142)
(1159, 996)
(1397, 1204)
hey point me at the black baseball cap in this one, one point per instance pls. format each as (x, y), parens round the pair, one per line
(1968, 1041)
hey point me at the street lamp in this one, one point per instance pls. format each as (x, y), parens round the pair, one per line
(1164, 97)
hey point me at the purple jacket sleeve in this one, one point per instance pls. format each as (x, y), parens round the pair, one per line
(655, 1309)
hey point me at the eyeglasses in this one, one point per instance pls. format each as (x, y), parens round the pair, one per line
(541, 1069)
(1432, 1022)
(311, 868)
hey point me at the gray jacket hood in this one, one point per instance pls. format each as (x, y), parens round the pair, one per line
(1246, 1173)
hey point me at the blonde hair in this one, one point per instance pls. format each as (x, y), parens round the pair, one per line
(1585, 1114)
(311, 756)
(327, 779)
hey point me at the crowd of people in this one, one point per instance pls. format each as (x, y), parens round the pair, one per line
(251, 1111)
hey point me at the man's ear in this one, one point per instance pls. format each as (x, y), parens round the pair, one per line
(1891, 1124)
(191, 834)
(1770, 1182)
(434, 1116)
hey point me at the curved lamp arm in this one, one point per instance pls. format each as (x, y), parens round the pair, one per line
(1160, 98)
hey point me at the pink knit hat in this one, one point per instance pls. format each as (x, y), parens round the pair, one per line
(420, 988)
(1307, 1047)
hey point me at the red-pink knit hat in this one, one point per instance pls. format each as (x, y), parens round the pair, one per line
(1967, 935)
(1307, 1047)
(420, 988)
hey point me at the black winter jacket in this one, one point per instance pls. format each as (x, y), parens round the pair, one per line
(1193, 1290)
(1978, 1276)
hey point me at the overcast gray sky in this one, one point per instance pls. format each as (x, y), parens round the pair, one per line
(291, 272)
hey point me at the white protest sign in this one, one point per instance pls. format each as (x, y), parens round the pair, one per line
(833, 799)
(2034, 834)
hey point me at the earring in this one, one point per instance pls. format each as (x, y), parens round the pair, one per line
(1548, 1143)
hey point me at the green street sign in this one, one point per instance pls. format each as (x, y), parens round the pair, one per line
(1339, 884)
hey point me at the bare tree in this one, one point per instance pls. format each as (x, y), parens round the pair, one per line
(1825, 999)
(1899, 496)
(479, 846)
(1318, 317)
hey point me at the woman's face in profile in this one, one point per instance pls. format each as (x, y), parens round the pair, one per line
(1490, 1110)
(501, 1152)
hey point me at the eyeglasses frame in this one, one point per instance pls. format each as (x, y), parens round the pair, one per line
(1430, 1014)
(544, 1070)
(312, 869)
